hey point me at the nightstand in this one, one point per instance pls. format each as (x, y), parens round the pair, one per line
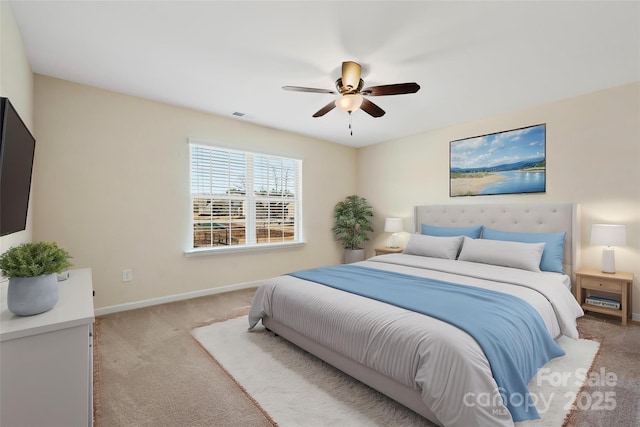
(618, 283)
(388, 250)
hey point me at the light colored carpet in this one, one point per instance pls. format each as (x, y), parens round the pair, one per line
(295, 388)
(152, 373)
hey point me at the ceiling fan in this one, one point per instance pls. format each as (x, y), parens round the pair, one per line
(349, 87)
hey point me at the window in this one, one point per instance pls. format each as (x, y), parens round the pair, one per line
(243, 199)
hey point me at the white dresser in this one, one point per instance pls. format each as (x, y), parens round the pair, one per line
(46, 360)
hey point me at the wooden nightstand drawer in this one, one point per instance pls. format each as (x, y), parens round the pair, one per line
(601, 285)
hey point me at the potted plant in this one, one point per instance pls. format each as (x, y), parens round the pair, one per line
(352, 223)
(32, 270)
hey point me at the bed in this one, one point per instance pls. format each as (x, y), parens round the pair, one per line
(446, 373)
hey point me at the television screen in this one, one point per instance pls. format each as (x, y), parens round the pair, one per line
(17, 147)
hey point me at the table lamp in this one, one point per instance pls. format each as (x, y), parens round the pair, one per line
(393, 225)
(608, 235)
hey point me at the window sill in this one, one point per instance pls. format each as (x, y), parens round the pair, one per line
(237, 248)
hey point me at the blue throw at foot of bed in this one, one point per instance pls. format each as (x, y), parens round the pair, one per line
(508, 329)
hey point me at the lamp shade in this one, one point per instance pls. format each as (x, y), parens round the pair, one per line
(608, 235)
(349, 103)
(393, 225)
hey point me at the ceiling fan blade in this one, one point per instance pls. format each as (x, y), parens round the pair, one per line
(324, 110)
(394, 89)
(308, 89)
(371, 108)
(351, 74)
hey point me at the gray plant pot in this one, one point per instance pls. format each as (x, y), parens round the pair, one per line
(27, 296)
(353, 255)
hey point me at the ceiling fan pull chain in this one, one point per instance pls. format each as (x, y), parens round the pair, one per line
(350, 130)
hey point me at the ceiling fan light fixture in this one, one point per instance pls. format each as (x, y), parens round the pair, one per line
(350, 88)
(349, 103)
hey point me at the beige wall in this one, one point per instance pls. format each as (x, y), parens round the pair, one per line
(113, 188)
(593, 158)
(16, 83)
(111, 183)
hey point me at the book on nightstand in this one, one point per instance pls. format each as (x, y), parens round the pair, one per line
(603, 302)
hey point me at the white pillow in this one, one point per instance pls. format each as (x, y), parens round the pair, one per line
(433, 246)
(525, 256)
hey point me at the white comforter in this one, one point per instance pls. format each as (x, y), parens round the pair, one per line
(421, 352)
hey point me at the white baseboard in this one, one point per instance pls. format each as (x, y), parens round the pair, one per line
(171, 298)
(635, 316)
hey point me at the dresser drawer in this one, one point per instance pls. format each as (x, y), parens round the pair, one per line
(602, 285)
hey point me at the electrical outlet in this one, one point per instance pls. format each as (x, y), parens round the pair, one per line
(127, 275)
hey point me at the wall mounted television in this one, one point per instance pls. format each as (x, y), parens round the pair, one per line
(17, 147)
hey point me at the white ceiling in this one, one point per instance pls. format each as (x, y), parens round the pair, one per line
(472, 59)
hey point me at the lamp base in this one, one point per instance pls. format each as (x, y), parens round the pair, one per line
(608, 261)
(393, 241)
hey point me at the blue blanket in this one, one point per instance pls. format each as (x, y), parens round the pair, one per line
(509, 330)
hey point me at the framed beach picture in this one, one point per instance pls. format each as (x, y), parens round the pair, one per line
(506, 162)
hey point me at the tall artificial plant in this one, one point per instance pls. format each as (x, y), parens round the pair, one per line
(353, 221)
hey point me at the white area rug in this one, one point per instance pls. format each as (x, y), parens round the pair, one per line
(295, 388)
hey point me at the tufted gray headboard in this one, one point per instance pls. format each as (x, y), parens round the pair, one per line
(522, 217)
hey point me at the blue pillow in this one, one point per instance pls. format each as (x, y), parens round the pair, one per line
(432, 230)
(553, 250)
